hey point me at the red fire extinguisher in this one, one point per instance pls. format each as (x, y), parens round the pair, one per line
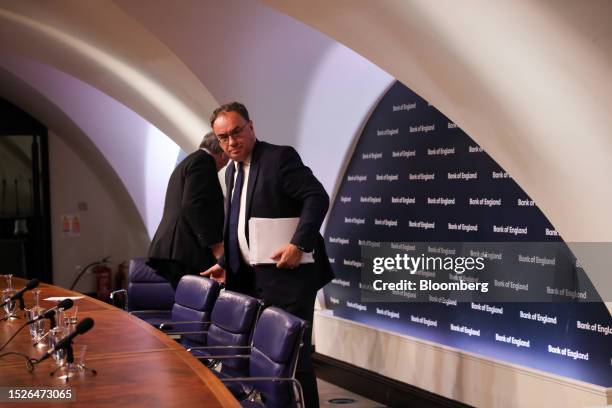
(103, 277)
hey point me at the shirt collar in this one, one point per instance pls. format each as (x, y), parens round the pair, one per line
(247, 162)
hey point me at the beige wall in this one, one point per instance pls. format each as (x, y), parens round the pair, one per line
(104, 227)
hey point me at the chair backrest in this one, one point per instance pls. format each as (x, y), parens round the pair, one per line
(276, 345)
(231, 324)
(146, 289)
(193, 302)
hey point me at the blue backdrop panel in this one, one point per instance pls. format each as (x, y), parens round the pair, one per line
(432, 183)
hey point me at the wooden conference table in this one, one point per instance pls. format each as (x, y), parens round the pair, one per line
(137, 365)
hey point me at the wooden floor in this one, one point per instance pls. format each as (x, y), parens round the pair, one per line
(331, 396)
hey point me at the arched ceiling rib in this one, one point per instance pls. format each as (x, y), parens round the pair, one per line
(45, 111)
(95, 41)
(529, 81)
(539, 108)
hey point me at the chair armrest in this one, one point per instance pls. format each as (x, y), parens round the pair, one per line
(218, 347)
(183, 333)
(258, 379)
(168, 324)
(149, 311)
(115, 293)
(295, 382)
(222, 357)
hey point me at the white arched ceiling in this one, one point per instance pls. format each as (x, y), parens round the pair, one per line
(20, 93)
(296, 82)
(301, 87)
(139, 153)
(528, 80)
(99, 44)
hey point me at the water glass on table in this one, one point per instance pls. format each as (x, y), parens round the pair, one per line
(79, 357)
(9, 308)
(37, 329)
(70, 316)
(56, 334)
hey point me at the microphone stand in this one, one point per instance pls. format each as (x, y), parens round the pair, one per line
(21, 306)
(69, 361)
(70, 366)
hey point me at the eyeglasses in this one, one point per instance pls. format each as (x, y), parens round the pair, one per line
(235, 133)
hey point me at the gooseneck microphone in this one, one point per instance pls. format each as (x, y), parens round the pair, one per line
(49, 313)
(82, 327)
(19, 295)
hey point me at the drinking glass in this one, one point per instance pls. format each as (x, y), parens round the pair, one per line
(37, 329)
(70, 316)
(77, 367)
(60, 319)
(55, 336)
(9, 308)
(79, 356)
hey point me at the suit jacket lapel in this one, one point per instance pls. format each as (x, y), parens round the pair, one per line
(253, 172)
(229, 184)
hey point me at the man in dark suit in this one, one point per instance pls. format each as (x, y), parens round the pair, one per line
(190, 234)
(270, 181)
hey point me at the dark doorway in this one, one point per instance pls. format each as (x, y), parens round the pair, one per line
(25, 234)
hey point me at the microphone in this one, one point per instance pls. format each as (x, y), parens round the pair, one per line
(49, 313)
(82, 327)
(29, 286)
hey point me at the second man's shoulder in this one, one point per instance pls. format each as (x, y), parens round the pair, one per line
(198, 155)
(274, 150)
(198, 160)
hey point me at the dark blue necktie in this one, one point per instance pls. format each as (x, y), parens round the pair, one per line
(234, 246)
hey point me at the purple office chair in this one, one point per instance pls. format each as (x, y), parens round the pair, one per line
(193, 304)
(272, 360)
(148, 296)
(230, 332)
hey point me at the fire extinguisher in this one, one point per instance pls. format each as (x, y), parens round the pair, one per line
(103, 279)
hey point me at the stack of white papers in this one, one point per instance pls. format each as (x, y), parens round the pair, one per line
(267, 235)
(60, 298)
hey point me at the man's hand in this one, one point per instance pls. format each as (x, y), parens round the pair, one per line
(215, 272)
(288, 256)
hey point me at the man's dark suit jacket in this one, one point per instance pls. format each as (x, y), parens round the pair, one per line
(281, 186)
(193, 215)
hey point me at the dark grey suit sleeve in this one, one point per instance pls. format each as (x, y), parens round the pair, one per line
(299, 183)
(202, 202)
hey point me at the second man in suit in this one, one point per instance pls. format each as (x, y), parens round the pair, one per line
(189, 237)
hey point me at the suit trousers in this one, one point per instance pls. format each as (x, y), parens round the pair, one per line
(245, 281)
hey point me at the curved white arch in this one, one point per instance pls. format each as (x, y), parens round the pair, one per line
(99, 44)
(529, 81)
(141, 156)
(539, 108)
